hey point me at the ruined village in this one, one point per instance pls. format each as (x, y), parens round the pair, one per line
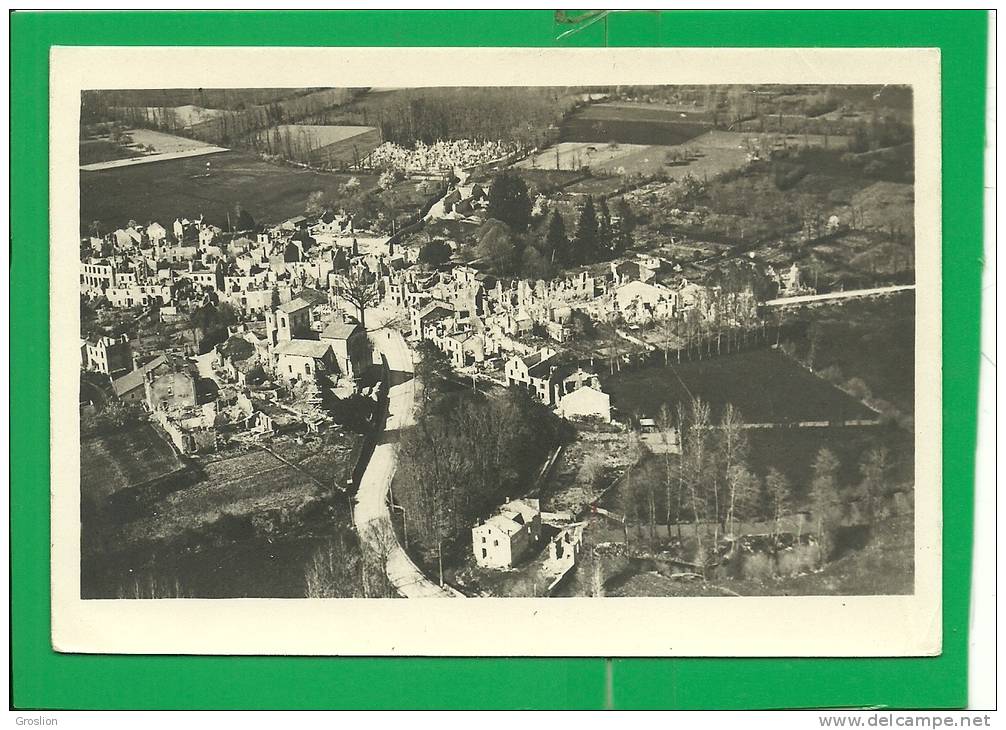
(464, 343)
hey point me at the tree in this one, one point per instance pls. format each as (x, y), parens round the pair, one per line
(626, 218)
(584, 247)
(582, 324)
(596, 566)
(388, 178)
(556, 247)
(667, 327)
(672, 486)
(823, 494)
(378, 542)
(742, 490)
(436, 477)
(334, 571)
(876, 471)
(535, 266)
(151, 587)
(780, 495)
(605, 233)
(315, 203)
(432, 368)
(357, 288)
(860, 141)
(652, 487)
(435, 253)
(733, 473)
(509, 201)
(498, 247)
(242, 219)
(694, 465)
(633, 487)
(212, 322)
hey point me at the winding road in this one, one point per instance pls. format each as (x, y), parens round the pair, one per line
(371, 515)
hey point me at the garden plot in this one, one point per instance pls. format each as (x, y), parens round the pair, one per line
(255, 481)
(125, 458)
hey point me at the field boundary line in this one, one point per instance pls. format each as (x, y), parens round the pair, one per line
(295, 467)
(228, 482)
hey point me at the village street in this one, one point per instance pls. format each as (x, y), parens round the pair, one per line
(371, 515)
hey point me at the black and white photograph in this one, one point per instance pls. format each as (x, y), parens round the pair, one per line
(499, 341)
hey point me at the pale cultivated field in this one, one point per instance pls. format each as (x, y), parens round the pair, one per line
(163, 142)
(702, 157)
(165, 147)
(575, 155)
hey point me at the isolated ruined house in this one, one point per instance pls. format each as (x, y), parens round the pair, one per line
(508, 536)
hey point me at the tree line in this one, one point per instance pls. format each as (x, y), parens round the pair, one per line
(517, 114)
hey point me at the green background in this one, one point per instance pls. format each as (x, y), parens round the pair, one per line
(46, 680)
